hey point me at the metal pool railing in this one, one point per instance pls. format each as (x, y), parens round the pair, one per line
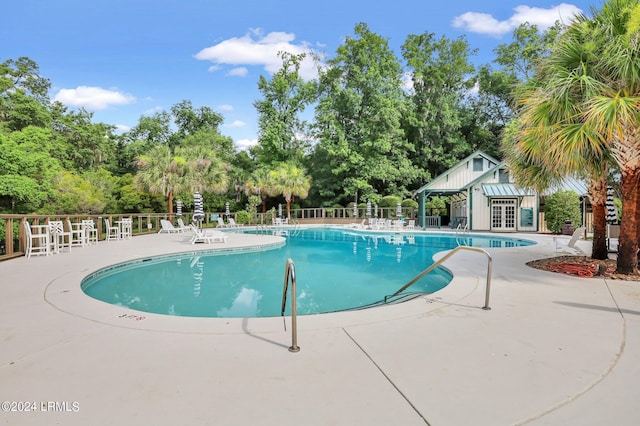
(290, 273)
(442, 260)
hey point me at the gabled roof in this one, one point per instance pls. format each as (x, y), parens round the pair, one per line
(485, 174)
(461, 163)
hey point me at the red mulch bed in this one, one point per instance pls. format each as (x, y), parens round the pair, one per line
(582, 266)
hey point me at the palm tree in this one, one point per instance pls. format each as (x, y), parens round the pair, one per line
(204, 171)
(289, 180)
(259, 184)
(585, 101)
(161, 173)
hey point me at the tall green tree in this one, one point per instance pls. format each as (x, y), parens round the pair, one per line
(490, 106)
(26, 170)
(282, 130)
(358, 118)
(83, 144)
(440, 77)
(24, 95)
(189, 120)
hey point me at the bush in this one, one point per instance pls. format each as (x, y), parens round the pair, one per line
(436, 206)
(560, 207)
(243, 217)
(389, 201)
(409, 204)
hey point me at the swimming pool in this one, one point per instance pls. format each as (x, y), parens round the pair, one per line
(336, 269)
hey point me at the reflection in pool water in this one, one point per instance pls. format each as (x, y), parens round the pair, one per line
(335, 270)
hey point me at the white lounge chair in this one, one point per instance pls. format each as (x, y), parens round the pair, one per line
(207, 236)
(360, 225)
(569, 245)
(166, 226)
(182, 227)
(232, 223)
(221, 223)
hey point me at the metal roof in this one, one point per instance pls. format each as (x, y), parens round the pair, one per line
(504, 190)
(578, 186)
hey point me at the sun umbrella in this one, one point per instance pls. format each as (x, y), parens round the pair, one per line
(398, 210)
(368, 208)
(226, 209)
(279, 210)
(198, 207)
(355, 210)
(611, 208)
(179, 208)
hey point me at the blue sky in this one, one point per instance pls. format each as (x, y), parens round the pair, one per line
(122, 59)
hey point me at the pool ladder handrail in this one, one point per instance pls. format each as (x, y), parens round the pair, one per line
(442, 260)
(290, 273)
(462, 235)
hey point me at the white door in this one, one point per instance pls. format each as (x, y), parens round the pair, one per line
(503, 214)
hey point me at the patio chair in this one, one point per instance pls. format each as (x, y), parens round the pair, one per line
(126, 228)
(91, 232)
(39, 243)
(221, 223)
(358, 225)
(61, 238)
(207, 236)
(78, 235)
(166, 226)
(182, 227)
(570, 245)
(232, 223)
(111, 232)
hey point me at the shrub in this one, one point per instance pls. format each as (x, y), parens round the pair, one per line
(409, 203)
(560, 207)
(436, 206)
(243, 217)
(389, 201)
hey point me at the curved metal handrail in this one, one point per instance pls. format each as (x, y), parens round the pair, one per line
(442, 260)
(461, 234)
(290, 272)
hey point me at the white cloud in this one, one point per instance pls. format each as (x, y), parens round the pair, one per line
(122, 128)
(236, 123)
(483, 23)
(238, 72)
(254, 49)
(153, 110)
(93, 98)
(225, 107)
(244, 144)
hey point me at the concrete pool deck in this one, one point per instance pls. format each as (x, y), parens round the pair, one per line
(553, 350)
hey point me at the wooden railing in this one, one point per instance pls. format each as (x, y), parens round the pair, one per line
(12, 238)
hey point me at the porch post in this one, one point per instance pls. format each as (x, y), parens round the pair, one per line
(422, 217)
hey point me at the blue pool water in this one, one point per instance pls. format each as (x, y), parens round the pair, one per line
(335, 270)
